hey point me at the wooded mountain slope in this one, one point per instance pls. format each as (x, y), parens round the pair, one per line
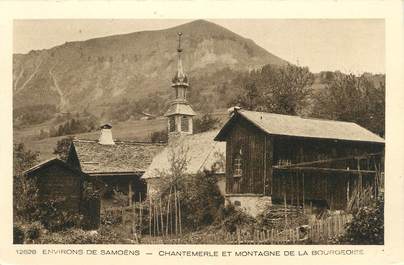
(95, 73)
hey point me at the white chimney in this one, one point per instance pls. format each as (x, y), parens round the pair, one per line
(232, 110)
(106, 135)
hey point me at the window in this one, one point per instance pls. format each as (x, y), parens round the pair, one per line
(235, 182)
(184, 123)
(171, 122)
(238, 164)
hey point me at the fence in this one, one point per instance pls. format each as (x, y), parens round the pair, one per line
(319, 231)
(324, 229)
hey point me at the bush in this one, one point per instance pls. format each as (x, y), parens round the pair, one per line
(367, 225)
(159, 136)
(53, 216)
(206, 123)
(22, 160)
(201, 200)
(105, 235)
(198, 194)
(51, 213)
(62, 148)
(232, 218)
(75, 125)
(110, 218)
(33, 230)
(18, 234)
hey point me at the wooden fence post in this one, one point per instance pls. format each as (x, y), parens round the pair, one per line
(284, 202)
(150, 216)
(161, 218)
(141, 218)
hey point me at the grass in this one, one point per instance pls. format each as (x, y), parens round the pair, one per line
(131, 130)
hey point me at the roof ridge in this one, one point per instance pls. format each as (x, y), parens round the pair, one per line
(48, 161)
(117, 141)
(297, 116)
(296, 126)
(205, 132)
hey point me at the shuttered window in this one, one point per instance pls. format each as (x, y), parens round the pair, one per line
(172, 124)
(184, 123)
(238, 165)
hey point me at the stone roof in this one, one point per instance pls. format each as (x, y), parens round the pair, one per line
(202, 153)
(277, 124)
(122, 157)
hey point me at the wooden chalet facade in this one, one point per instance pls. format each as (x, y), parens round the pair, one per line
(288, 158)
(57, 181)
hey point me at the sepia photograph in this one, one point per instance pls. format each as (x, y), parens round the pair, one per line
(199, 131)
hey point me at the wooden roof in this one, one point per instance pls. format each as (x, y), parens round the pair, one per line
(47, 163)
(180, 108)
(202, 152)
(277, 124)
(120, 158)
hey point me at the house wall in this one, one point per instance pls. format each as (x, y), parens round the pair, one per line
(297, 150)
(57, 182)
(256, 151)
(260, 152)
(324, 188)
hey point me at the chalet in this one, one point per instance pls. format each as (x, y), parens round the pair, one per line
(113, 166)
(272, 158)
(58, 181)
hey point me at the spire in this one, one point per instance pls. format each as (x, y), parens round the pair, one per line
(180, 77)
(179, 112)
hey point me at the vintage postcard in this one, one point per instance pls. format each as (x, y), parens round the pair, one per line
(180, 134)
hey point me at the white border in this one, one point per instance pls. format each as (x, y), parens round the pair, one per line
(391, 11)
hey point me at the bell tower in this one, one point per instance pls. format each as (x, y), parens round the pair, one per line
(180, 112)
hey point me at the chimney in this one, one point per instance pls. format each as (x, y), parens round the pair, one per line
(232, 110)
(106, 135)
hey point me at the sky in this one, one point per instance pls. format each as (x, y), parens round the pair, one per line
(348, 45)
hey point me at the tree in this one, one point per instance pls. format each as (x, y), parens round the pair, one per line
(283, 90)
(205, 123)
(354, 99)
(290, 90)
(199, 196)
(23, 159)
(159, 137)
(62, 147)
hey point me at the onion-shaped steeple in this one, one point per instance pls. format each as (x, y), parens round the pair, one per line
(180, 78)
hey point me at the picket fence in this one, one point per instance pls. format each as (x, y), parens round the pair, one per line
(317, 232)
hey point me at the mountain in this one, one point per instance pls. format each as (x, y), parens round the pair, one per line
(96, 73)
